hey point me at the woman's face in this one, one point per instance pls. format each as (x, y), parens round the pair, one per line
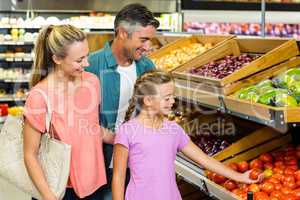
(76, 60)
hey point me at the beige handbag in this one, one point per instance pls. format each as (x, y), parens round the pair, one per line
(54, 157)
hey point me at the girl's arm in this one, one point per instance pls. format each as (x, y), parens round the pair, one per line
(108, 136)
(120, 157)
(32, 139)
(197, 155)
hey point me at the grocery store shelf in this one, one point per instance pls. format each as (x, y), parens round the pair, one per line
(14, 80)
(16, 59)
(233, 5)
(278, 118)
(7, 98)
(16, 43)
(219, 16)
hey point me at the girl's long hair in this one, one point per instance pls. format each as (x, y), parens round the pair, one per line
(144, 86)
(52, 40)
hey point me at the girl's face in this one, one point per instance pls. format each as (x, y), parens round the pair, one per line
(76, 60)
(162, 103)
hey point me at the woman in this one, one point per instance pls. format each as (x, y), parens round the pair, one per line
(60, 58)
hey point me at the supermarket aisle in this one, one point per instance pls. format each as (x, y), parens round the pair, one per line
(9, 192)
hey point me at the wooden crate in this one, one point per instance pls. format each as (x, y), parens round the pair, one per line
(261, 111)
(216, 40)
(274, 51)
(266, 74)
(269, 145)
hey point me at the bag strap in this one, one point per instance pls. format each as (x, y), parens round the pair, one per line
(49, 110)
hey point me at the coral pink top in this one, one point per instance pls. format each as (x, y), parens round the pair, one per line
(75, 121)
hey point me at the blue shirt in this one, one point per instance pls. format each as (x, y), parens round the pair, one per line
(103, 64)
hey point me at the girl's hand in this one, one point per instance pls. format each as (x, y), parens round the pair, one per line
(245, 178)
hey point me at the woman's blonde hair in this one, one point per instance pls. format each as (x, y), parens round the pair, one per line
(144, 86)
(52, 40)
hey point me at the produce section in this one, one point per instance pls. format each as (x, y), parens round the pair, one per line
(270, 70)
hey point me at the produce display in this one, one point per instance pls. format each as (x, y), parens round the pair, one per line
(18, 35)
(180, 55)
(15, 74)
(281, 172)
(210, 144)
(282, 91)
(224, 67)
(277, 30)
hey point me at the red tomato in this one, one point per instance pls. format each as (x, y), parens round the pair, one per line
(273, 180)
(285, 190)
(254, 188)
(243, 166)
(255, 173)
(291, 162)
(289, 171)
(298, 184)
(268, 166)
(277, 194)
(290, 196)
(297, 175)
(297, 193)
(289, 178)
(233, 166)
(277, 170)
(294, 167)
(230, 185)
(288, 158)
(267, 187)
(260, 196)
(219, 179)
(279, 177)
(256, 164)
(290, 184)
(266, 157)
(277, 186)
(279, 164)
(210, 174)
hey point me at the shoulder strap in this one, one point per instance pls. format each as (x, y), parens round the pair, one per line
(49, 110)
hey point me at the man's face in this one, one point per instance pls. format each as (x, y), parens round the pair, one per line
(139, 42)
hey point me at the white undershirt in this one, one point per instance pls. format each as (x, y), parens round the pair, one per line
(127, 80)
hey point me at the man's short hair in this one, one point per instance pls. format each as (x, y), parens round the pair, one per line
(133, 16)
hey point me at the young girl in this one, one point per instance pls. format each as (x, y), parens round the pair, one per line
(149, 142)
(58, 70)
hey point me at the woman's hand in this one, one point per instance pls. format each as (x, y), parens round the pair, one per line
(245, 178)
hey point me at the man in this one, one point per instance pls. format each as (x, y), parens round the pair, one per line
(118, 65)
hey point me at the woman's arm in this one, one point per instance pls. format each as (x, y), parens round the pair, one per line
(32, 139)
(108, 136)
(120, 158)
(196, 154)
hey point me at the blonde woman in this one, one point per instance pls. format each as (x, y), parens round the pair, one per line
(61, 54)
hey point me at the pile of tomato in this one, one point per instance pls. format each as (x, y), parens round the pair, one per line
(281, 172)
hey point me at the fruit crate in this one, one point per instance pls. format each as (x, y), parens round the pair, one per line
(248, 147)
(279, 116)
(215, 40)
(276, 143)
(271, 51)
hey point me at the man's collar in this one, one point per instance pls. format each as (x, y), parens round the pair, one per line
(109, 56)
